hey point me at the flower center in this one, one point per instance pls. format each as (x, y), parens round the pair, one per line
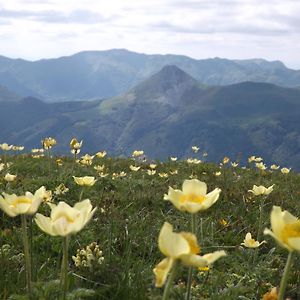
(67, 217)
(290, 231)
(251, 241)
(192, 198)
(21, 200)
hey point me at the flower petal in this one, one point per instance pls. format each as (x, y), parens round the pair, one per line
(44, 223)
(172, 244)
(212, 257)
(7, 208)
(161, 271)
(194, 186)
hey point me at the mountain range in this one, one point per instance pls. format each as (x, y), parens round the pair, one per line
(165, 115)
(103, 74)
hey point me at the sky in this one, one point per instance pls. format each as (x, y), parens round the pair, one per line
(234, 29)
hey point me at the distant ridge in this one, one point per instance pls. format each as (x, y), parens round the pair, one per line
(93, 75)
(165, 115)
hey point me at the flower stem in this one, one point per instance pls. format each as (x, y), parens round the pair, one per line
(261, 212)
(81, 193)
(64, 268)
(27, 255)
(170, 282)
(285, 276)
(190, 273)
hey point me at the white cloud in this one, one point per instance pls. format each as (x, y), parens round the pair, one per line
(199, 28)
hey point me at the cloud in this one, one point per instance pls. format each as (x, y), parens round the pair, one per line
(198, 28)
(80, 16)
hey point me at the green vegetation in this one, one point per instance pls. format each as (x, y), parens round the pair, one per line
(167, 114)
(130, 214)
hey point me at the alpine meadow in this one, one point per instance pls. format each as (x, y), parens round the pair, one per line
(149, 150)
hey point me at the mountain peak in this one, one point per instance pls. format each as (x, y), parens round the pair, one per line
(170, 77)
(174, 74)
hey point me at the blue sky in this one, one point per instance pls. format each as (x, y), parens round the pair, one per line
(235, 29)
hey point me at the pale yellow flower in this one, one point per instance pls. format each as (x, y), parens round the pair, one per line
(103, 175)
(37, 150)
(205, 154)
(28, 204)
(193, 176)
(47, 197)
(59, 162)
(173, 158)
(18, 148)
(86, 160)
(181, 246)
(261, 190)
(260, 165)
(151, 172)
(193, 161)
(152, 166)
(37, 155)
(134, 168)
(137, 153)
(234, 164)
(218, 173)
(193, 197)
(173, 172)
(226, 160)
(2, 166)
(85, 181)
(99, 168)
(101, 154)
(64, 219)
(9, 177)
(163, 175)
(274, 167)
(251, 159)
(61, 189)
(75, 145)
(117, 175)
(48, 142)
(195, 149)
(285, 229)
(6, 147)
(285, 170)
(249, 242)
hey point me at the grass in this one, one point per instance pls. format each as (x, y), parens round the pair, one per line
(126, 225)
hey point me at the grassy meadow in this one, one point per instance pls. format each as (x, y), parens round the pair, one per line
(130, 213)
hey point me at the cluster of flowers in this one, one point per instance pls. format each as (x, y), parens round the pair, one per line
(89, 257)
(6, 147)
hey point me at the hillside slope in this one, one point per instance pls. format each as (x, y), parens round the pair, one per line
(165, 115)
(101, 74)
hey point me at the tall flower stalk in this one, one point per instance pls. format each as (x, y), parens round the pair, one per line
(170, 281)
(64, 268)
(285, 276)
(27, 255)
(190, 272)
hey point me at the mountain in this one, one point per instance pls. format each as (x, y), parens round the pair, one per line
(103, 74)
(7, 95)
(166, 115)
